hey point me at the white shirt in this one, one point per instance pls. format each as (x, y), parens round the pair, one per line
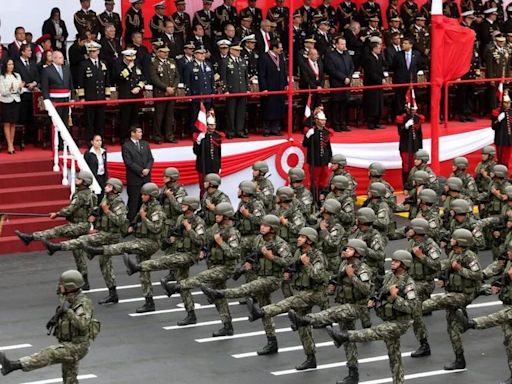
(101, 163)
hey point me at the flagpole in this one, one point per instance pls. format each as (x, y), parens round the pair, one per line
(290, 69)
(436, 83)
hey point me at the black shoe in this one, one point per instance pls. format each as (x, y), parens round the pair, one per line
(111, 298)
(189, 319)
(92, 251)
(171, 276)
(271, 347)
(346, 129)
(463, 321)
(242, 136)
(471, 119)
(170, 288)
(462, 119)
(339, 337)
(51, 247)
(352, 378)
(337, 129)
(157, 140)
(423, 350)
(211, 294)
(309, 363)
(8, 365)
(459, 363)
(296, 320)
(25, 237)
(86, 286)
(131, 265)
(148, 306)
(229, 136)
(266, 134)
(255, 313)
(226, 330)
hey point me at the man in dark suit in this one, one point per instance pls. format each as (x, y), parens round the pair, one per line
(138, 160)
(27, 69)
(172, 40)
(77, 54)
(19, 39)
(254, 12)
(263, 37)
(354, 43)
(392, 48)
(373, 101)
(224, 14)
(110, 49)
(199, 39)
(311, 71)
(405, 66)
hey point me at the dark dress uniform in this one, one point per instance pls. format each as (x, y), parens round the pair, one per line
(318, 157)
(204, 18)
(373, 68)
(126, 80)
(223, 15)
(280, 16)
(113, 18)
(465, 92)
(208, 154)
(421, 37)
(255, 13)
(134, 22)
(329, 13)
(502, 135)
(346, 12)
(354, 46)
(198, 80)
(497, 64)
(299, 37)
(182, 24)
(251, 56)
(235, 77)
(425, 11)
(157, 25)
(175, 44)
(182, 61)
(408, 12)
(92, 82)
(392, 11)
(323, 43)
(77, 54)
(308, 22)
(163, 74)
(110, 52)
(86, 21)
(368, 10)
(410, 140)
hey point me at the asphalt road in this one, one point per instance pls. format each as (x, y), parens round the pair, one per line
(136, 349)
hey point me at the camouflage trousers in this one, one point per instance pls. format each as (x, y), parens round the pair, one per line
(345, 315)
(67, 354)
(95, 240)
(215, 277)
(179, 262)
(424, 289)
(502, 318)
(389, 332)
(144, 249)
(261, 288)
(71, 231)
(450, 301)
(302, 302)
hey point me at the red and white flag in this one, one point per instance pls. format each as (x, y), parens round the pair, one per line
(307, 110)
(410, 98)
(201, 119)
(499, 91)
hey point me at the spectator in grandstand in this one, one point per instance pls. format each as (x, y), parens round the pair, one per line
(11, 85)
(56, 28)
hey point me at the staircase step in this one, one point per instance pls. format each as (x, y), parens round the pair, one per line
(32, 194)
(33, 207)
(30, 179)
(26, 166)
(29, 225)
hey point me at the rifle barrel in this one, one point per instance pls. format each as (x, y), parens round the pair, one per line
(27, 214)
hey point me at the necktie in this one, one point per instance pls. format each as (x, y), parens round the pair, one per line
(408, 59)
(137, 143)
(267, 39)
(59, 69)
(27, 63)
(397, 48)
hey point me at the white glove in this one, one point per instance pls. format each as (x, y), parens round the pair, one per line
(501, 116)
(200, 138)
(409, 123)
(310, 133)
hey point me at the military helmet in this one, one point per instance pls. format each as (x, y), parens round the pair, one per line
(261, 166)
(377, 169)
(421, 177)
(332, 206)
(463, 237)
(296, 175)
(86, 177)
(213, 179)
(489, 150)
(359, 245)
(285, 193)
(419, 226)
(508, 191)
(428, 196)
(191, 201)
(247, 187)
(116, 184)
(366, 215)
(422, 155)
(272, 221)
(339, 159)
(310, 233)
(378, 189)
(454, 184)
(172, 172)
(461, 162)
(225, 209)
(403, 256)
(500, 170)
(71, 280)
(150, 189)
(460, 206)
(340, 182)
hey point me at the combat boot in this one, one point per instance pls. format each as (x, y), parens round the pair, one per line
(92, 251)
(423, 350)
(352, 378)
(339, 337)
(8, 365)
(148, 306)
(463, 321)
(171, 276)
(170, 288)
(86, 286)
(297, 320)
(309, 363)
(226, 330)
(131, 265)
(459, 363)
(52, 247)
(111, 298)
(189, 319)
(270, 348)
(212, 294)
(25, 237)
(255, 313)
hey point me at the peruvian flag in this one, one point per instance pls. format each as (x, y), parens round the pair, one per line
(499, 91)
(307, 110)
(201, 119)
(410, 98)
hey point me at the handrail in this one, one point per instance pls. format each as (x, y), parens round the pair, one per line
(70, 144)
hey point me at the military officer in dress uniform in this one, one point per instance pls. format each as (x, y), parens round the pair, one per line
(204, 17)
(92, 85)
(502, 126)
(164, 76)
(157, 23)
(394, 27)
(110, 17)
(224, 14)
(245, 28)
(307, 12)
(346, 12)
(182, 20)
(328, 12)
(497, 64)
(408, 12)
(133, 20)
(279, 15)
(85, 19)
(421, 36)
(368, 10)
(110, 49)
(186, 57)
(254, 12)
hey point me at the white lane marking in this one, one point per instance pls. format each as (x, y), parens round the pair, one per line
(50, 381)
(413, 376)
(239, 336)
(17, 346)
(206, 323)
(196, 306)
(488, 304)
(281, 350)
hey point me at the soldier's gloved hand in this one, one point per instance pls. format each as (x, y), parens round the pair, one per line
(64, 307)
(409, 123)
(200, 138)
(310, 132)
(501, 116)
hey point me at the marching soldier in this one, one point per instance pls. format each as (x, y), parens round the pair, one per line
(171, 198)
(421, 159)
(496, 197)
(157, 22)
(428, 210)
(484, 168)
(296, 178)
(133, 20)
(147, 228)
(408, 13)
(182, 20)
(338, 167)
(164, 76)
(204, 17)
(502, 126)
(212, 197)
(224, 14)
(109, 17)
(110, 223)
(459, 168)
(376, 196)
(264, 187)
(421, 37)
(411, 203)
(341, 192)
(330, 233)
(85, 19)
(376, 173)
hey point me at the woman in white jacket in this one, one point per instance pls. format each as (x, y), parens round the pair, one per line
(11, 86)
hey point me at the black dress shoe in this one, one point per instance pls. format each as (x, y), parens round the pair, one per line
(470, 119)
(229, 136)
(157, 140)
(346, 129)
(266, 134)
(462, 119)
(171, 139)
(372, 127)
(242, 136)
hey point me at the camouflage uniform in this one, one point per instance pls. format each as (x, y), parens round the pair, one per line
(431, 214)
(469, 223)
(384, 223)
(347, 214)
(172, 205)
(492, 203)
(469, 188)
(82, 205)
(215, 198)
(352, 183)
(376, 255)
(482, 172)
(305, 198)
(329, 242)
(432, 183)
(265, 192)
(249, 227)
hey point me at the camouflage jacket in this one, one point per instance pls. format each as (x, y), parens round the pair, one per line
(281, 256)
(82, 205)
(424, 268)
(172, 205)
(355, 290)
(215, 198)
(153, 225)
(115, 220)
(74, 325)
(250, 225)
